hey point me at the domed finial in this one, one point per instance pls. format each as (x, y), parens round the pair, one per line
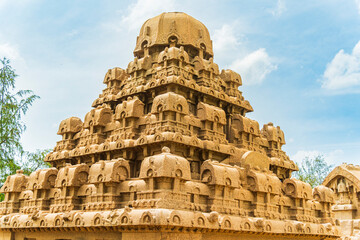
(173, 29)
(165, 150)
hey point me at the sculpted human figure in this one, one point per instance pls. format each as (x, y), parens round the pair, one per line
(343, 192)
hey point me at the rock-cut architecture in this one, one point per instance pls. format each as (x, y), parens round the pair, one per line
(344, 180)
(167, 152)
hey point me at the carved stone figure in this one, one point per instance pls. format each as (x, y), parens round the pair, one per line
(344, 180)
(167, 152)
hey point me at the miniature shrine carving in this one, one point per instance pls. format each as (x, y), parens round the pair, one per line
(167, 152)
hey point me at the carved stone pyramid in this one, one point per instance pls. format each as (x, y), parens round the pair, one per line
(167, 153)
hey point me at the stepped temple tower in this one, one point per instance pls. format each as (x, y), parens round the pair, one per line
(167, 152)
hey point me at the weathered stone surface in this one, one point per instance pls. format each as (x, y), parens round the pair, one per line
(344, 181)
(167, 153)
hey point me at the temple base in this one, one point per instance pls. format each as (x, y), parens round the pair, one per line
(80, 235)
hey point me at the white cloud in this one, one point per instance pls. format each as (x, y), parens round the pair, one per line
(254, 67)
(9, 51)
(357, 2)
(12, 53)
(142, 10)
(224, 38)
(72, 33)
(301, 155)
(334, 157)
(3, 3)
(280, 8)
(18, 4)
(343, 72)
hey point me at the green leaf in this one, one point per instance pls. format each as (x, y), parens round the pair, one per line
(13, 106)
(313, 170)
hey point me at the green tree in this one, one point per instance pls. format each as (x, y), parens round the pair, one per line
(32, 161)
(313, 170)
(13, 106)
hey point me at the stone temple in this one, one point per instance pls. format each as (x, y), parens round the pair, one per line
(167, 152)
(344, 180)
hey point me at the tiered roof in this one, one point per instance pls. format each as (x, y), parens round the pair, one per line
(168, 144)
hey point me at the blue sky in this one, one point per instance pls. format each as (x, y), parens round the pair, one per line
(299, 60)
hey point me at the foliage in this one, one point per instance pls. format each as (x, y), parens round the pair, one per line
(29, 163)
(13, 106)
(34, 161)
(313, 170)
